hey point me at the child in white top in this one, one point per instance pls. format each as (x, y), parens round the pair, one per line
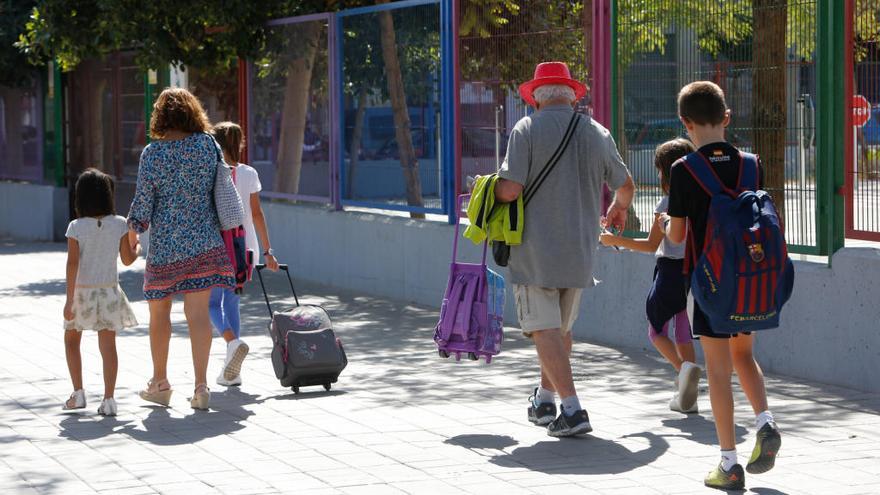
(94, 299)
(224, 303)
(667, 299)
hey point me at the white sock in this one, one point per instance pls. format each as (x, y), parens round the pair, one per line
(763, 418)
(728, 459)
(571, 405)
(545, 396)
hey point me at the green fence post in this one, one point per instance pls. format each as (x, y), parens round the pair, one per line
(830, 128)
(53, 167)
(148, 100)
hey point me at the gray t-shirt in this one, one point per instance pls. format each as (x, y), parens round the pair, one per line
(561, 229)
(667, 248)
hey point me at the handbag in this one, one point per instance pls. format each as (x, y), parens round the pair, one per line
(500, 249)
(227, 202)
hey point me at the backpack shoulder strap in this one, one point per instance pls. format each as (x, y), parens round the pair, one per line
(529, 192)
(748, 172)
(702, 172)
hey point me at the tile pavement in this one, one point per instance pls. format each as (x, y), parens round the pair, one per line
(401, 420)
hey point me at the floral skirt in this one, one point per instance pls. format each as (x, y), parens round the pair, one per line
(104, 308)
(205, 271)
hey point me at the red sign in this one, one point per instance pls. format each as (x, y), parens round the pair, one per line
(861, 110)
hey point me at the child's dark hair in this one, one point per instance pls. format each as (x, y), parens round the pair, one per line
(668, 153)
(702, 103)
(94, 194)
(230, 139)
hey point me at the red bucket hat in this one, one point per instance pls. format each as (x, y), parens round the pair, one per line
(551, 73)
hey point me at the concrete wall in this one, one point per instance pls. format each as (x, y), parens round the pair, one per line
(830, 329)
(32, 212)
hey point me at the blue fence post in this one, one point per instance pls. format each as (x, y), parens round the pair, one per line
(337, 139)
(338, 91)
(448, 107)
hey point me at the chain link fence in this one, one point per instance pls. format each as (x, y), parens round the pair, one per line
(761, 53)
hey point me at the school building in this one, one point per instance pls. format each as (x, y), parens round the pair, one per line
(360, 191)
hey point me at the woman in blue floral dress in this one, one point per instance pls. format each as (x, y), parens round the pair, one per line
(174, 199)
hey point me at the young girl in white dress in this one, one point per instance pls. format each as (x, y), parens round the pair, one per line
(95, 301)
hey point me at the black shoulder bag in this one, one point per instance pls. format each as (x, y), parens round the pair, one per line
(500, 249)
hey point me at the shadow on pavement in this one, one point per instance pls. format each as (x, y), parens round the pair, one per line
(584, 455)
(306, 394)
(159, 427)
(767, 491)
(497, 442)
(78, 427)
(699, 429)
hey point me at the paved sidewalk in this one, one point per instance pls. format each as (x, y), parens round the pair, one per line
(400, 420)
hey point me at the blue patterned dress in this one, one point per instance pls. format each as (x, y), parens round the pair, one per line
(174, 199)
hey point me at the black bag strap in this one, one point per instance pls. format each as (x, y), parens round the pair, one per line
(554, 159)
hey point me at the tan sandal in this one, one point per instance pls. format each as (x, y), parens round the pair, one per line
(201, 397)
(158, 392)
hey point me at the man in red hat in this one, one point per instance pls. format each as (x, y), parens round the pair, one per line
(559, 161)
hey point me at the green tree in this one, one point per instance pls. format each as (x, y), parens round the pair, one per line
(14, 68)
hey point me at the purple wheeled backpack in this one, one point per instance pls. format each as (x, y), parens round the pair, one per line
(472, 314)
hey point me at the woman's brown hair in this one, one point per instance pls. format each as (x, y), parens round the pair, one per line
(668, 153)
(230, 139)
(94, 193)
(177, 109)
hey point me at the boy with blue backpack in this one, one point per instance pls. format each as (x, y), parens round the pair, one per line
(740, 273)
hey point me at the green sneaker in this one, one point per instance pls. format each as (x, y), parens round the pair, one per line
(734, 479)
(767, 443)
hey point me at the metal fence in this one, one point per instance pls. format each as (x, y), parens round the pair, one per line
(764, 60)
(862, 162)
(21, 129)
(390, 107)
(290, 129)
(497, 52)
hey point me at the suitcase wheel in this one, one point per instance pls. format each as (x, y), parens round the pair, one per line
(295, 389)
(327, 386)
(443, 353)
(488, 359)
(473, 357)
(458, 356)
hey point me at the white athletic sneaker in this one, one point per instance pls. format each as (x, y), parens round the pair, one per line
(236, 351)
(688, 382)
(223, 382)
(675, 405)
(107, 407)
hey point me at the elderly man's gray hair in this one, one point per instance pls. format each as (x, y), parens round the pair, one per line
(553, 92)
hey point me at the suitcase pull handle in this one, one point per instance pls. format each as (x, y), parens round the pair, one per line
(286, 270)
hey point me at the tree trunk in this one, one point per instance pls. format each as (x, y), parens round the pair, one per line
(288, 164)
(587, 27)
(768, 93)
(356, 140)
(14, 157)
(408, 160)
(632, 219)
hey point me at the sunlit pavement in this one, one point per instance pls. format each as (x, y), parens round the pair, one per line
(400, 420)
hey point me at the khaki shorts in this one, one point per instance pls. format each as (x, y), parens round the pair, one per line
(542, 308)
